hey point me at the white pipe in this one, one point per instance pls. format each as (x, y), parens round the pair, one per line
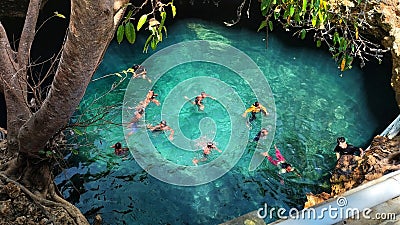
(393, 129)
(360, 199)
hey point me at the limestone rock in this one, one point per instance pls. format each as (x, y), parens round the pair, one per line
(351, 171)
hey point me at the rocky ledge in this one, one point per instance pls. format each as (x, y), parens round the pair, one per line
(351, 171)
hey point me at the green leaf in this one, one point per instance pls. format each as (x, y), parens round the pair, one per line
(120, 33)
(335, 37)
(297, 17)
(271, 25)
(286, 13)
(303, 34)
(130, 32)
(321, 17)
(262, 25)
(153, 43)
(146, 44)
(318, 43)
(342, 44)
(276, 15)
(78, 132)
(142, 20)
(159, 35)
(314, 21)
(173, 8)
(304, 8)
(163, 17)
(265, 6)
(59, 15)
(316, 5)
(291, 10)
(128, 16)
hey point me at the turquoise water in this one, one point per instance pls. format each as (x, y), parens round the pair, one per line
(314, 105)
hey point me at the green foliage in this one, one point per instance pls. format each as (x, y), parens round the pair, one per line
(335, 25)
(120, 33)
(59, 15)
(262, 25)
(130, 32)
(141, 22)
(157, 29)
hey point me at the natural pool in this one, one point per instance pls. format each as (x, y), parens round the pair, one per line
(313, 105)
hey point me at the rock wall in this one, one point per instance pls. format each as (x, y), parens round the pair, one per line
(390, 20)
(351, 171)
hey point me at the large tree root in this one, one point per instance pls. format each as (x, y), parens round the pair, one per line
(56, 201)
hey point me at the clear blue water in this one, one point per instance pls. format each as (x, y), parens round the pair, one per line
(314, 105)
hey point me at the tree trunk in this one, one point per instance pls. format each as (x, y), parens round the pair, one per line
(91, 28)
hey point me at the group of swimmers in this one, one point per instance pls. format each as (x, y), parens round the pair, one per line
(210, 146)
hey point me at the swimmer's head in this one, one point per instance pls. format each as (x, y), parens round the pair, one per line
(286, 166)
(256, 104)
(141, 111)
(203, 93)
(118, 145)
(210, 144)
(163, 122)
(264, 131)
(340, 140)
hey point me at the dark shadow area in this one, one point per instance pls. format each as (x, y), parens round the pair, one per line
(380, 95)
(220, 11)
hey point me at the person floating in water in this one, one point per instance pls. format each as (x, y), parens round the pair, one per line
(206, 152)
(199, 100)
(262, 134)
(254, 109)
(133, 123)
(342, 148)
(150, 97)
(281, 163)
(162, 126)
(139, 71)
(119, 150)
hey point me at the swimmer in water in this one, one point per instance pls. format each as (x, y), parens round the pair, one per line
(162, 126)
(206, 152)
(199, 100)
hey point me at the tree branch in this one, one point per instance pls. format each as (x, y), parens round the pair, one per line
(90, 31)
(24, 47)
(17, 110)
(28, 35)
